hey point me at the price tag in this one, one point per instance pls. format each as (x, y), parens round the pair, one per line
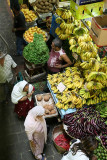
(61, 87)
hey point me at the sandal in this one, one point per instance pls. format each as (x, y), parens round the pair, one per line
(43, 158)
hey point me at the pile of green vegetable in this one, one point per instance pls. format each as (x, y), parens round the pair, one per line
(100, 152)
(36, 52)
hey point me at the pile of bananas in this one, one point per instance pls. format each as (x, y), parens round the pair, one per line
(86, 82)
(89, 89)
(68, 25)
(73, 82)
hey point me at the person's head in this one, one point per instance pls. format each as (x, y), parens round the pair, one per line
(37, 112)
(87, 145)
(56, 44)
(23, 86)
(26, 88)
(16, 9)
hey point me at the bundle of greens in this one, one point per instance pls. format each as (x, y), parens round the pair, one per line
(36, 52)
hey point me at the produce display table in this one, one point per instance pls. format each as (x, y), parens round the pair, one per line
(62, 112)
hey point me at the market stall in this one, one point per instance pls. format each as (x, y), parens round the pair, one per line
(78, 93)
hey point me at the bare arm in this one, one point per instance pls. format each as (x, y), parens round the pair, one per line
(66, 59)
(23, 98)
(15, 71)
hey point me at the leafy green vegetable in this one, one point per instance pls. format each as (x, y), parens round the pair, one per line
(36, 52)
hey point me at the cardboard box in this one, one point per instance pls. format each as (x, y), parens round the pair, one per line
(98, 30)
(86, 11)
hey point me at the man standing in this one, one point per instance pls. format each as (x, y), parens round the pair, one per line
(19, 28)
(6, 74)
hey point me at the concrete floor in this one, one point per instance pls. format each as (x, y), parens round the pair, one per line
(13, 140)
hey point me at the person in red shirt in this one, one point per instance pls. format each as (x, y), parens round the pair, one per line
(57, 56)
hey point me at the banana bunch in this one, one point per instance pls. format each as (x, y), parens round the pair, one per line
(63, 25)
(63, 36)
(81, 39)
(103, 68)
(75, 69)
(73, 48)
(72, 41)
(68, 73)
(85, 65)
(86, 46)
(78, 83)
(79, 50)
(59, 20)
(104, 60)
(70, 85)
(60, 105)
(66, 14)
(97, 76)
(87, 55)
(94, 85)
(103, 94)
(77, 22)
(96, 66)
(54, 89)
(84, 93)
(84, 38)
(59, 11)
(93, 101)
(76, 100)
(59, 31)
(68, 31)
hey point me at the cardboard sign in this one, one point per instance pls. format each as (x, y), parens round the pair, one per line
(86, 10)
(61, 87)
(83, 2)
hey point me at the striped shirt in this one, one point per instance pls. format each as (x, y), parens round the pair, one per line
(6, 70)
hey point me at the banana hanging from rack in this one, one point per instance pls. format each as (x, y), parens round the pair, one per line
(66, 15)
(59, 20)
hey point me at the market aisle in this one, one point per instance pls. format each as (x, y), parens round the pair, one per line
(13, 141)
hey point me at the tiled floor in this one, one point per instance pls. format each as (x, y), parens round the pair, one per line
(13, 140)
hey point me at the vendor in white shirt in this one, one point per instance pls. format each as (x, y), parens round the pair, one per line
(6, 74)
(57, 56)
(82, 150)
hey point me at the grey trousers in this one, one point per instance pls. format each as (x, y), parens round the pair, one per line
(5, 90)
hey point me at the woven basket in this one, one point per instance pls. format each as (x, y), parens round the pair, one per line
(57, 131)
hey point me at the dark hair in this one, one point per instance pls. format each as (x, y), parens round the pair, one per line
(57, 42)
(87, 146)
(16, 7)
